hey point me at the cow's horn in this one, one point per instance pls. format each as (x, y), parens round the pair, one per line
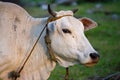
(51, 11)
(74, 10)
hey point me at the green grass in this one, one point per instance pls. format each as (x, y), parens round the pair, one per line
(105, 39)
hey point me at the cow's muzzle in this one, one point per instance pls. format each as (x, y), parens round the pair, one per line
(94, 56)
(94, 59)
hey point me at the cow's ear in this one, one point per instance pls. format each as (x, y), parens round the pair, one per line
(88, 23)
(51, 27)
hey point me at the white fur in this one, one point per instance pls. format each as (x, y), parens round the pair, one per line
(70, 48)
(19, 31)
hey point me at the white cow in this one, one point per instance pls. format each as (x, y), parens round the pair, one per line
(19, 31)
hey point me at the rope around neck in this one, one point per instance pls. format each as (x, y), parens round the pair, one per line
(13, 75)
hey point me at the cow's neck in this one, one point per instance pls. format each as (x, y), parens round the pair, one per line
(39, 65)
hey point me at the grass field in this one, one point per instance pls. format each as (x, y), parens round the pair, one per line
(105, 39)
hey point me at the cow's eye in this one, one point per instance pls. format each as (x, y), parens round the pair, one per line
(66, 31)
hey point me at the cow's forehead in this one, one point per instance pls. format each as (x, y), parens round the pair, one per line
(70, 22)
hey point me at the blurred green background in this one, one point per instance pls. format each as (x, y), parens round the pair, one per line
(105, 38)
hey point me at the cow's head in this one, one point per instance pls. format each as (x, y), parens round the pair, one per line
(68, 40)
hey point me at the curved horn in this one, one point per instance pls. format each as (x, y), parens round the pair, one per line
(74, 10)
(51, 11)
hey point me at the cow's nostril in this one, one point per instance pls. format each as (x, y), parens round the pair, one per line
(94, 55)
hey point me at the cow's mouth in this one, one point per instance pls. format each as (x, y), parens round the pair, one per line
(92, 63)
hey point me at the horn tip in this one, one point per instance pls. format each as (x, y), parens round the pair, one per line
(75, 10)
(51, 11)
